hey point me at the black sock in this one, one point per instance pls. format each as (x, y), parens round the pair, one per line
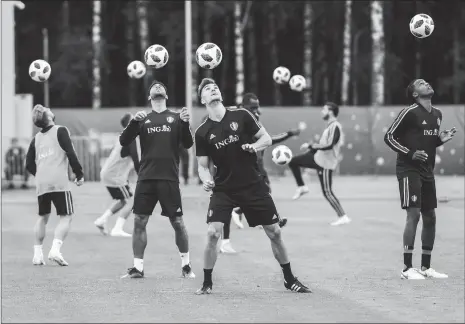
(207, 275)
(408, 260)
(288, 276)
(426, 257)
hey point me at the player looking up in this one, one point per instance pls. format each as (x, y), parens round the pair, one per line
(414, 135)
(160, 133)
(231, 137)
(48, 158)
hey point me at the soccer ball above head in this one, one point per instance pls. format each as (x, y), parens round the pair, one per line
(40, 70)
(156, 56)
(136, 69)
(297, 83)
(208, 56)
(281, 155)
(421, 26)
(281, 75)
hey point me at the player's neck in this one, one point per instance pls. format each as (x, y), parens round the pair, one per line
(330, 120)
(425, 103)
(158, 106)
(216, 111)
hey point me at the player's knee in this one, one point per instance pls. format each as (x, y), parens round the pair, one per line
(429, 218)
(140, 222)
(123, 202)
(273, 232)
(214, 232)
(413, 215)
(177, 223)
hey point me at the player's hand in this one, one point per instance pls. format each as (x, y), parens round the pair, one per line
(446, 135)
(185, 115)
(305, 146)
(140, 115)
(208, 185)
(420, 156)
(249, 148)
(79, 182)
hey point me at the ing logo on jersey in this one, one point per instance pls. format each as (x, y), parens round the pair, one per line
(227, 141)
(169, 119)
(158, 129)
(234, 126)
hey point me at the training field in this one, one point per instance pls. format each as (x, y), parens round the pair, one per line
(353, 270)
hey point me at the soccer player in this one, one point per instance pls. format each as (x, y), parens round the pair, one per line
(160, 133)
(14, 159)
(115, 176)
(48, 157)
(414, 135)
(231, 137)
(324, 158)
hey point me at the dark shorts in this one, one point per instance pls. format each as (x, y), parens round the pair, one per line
(120, 193)
(255, 201)
(62, 200)
(415, 192)
(150, 192)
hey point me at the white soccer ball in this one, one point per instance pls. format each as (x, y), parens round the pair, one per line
(136, 69)
(421, 26)
(297, 83)
(281, 75)
(156, 56)
(281, 155)
(208, 56)
(40, 70)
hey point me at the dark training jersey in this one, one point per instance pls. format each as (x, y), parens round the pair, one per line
(415, 129)
(160, 135)
(222, 141)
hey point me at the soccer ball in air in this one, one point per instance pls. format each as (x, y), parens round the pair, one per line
(281, 75)
(281, 155)
(208, 56)
(40, 70)
(156, 56)
(297, 83)
(421, 26)
(136, 69)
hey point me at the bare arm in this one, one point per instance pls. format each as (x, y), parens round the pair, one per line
(204, 170)
(263, 140)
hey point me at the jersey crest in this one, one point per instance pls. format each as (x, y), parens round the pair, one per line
(169, 119)
(234, 126)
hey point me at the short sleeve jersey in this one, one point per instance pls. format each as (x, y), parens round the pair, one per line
(222, 141)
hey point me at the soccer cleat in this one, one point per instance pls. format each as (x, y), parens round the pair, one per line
(283, 222)
(431, 273)
(38, 260)
(187, 272)
(300, 191)
(56, 257)
(236, 219)
(101, 226)
(206, 289)
(134, 273)
(227, 248)
(341, 221)
(119, 232)
(296, 286)
(411, 274)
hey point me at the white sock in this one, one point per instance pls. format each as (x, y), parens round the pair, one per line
(225, 241)
(56, 245)
(139, 264)
(38, 250)
(119, 224)
(105, 216)
(184, 258)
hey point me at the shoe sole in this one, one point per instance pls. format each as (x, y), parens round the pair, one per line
(102, 230)
(304, 193)
(204, 292)
(59, 262)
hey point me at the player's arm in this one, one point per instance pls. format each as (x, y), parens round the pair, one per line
(255, 129)
(130, 133)
(397, 129)
(67, 145)
(186, 135)
(333, 140)
(202, 158)
(275, 139)
(31, 166)
(131, 151)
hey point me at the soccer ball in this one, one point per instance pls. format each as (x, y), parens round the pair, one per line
(40, 70)
(297, 83)
(281, 75)
(156, 56)
(421, 26)
(281, 155)
(208, 56)
(136, 69)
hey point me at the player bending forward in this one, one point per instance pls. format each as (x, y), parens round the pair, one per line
(48, 157)
(226, 137)
(324, 158)
(160, 133)
(115, 176)
(414, 135)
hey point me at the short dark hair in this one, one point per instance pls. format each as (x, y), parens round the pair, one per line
(250, 101)
(39, 116)
(126, 119)
(333, 107)
(157, 82)
(203, 84)
(410, 90)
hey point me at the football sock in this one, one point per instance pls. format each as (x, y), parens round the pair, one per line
(38, 249)
(119, 224)
(106, 215)
(426, 257)
(207, 275)
(288, 276)
(56, 245)
(139, 264)
(184, 259)
(408, 252)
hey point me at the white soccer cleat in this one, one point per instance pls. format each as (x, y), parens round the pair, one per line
(57, 258)
(237, 220)
(120, 233)
(38, 260)
(431, 273)
(102, 226)
(299, 192)
(341, 221)
(411, 274)
(227, 248)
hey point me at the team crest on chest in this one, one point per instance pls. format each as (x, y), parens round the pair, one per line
(439, 122)
(234, 126)
(169, 119)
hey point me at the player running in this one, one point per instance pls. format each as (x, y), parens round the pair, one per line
(48, 158)
(414, 135)
(226, 137)
(115, 176)
(160, 133)
(324, 158)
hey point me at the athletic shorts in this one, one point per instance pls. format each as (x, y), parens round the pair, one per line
(62, 200)
(120, 193)
(255, 202)
(149, 192)
(415, 192)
